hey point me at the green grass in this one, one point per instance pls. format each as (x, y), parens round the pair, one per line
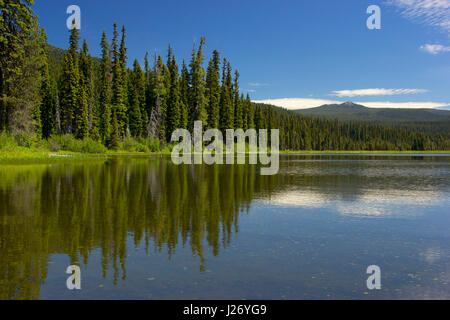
(24, 154)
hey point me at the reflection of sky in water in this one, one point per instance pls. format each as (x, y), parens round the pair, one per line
(370, 203)
(371, 187)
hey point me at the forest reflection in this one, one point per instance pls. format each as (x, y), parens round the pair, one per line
(74, 208)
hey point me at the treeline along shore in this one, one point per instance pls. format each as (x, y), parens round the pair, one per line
(66, 100)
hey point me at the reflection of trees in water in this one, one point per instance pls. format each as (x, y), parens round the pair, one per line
(74, 208)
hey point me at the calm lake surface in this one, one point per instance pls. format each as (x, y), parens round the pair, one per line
(143, 228)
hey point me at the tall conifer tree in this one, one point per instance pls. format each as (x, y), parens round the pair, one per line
(198, 99)
(118, 90)
(70, 86)
(157, 122)
(238, 113)
(226, 98)
(174, 107)
(47, 109)
(105, 91)
(213, 90)
(184, 96)
(137, 100)
(81, 111)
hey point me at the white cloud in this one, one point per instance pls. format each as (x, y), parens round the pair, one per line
(435, 48)
(435, 13)
(305, 103)
(258, 84)
(375, 92)
(297, 103)
(404, 105)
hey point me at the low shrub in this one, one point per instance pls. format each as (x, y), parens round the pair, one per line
(54, 144)
(24, 140)
(152, 145)
(133, 145)
(69, 143)
(7, 142)
(91, 146)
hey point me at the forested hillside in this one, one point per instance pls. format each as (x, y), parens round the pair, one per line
(422, 120)
(299, 132)
(51, 92)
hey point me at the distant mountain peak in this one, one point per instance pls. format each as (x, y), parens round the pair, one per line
(352, 105)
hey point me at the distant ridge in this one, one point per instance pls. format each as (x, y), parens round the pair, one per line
(350, 111)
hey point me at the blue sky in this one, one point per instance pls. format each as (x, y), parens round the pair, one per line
(296, 53)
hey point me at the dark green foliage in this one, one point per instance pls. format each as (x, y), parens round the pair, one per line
(69, 92)
(104, 103)
(238, 107)
(48, 103)
(114, 141)
(118, 82)
(423, 120)
(22, 55)
(81, 111)
(136, 97)
(226, 98)
(301, 133)
(249, 113)
(148, 94)
(70, 143)
(174, 104)
(197, 93)
(184, 96)
(157, 122)
(213, 90)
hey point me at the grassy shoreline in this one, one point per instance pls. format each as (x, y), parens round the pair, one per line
(25, 154)
(366, 152)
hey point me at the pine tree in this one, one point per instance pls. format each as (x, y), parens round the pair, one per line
(249, 114)
(244, 112)
(57, 111)
(148, 93)
(174, 107)
(238, 113)
(213, 90)
(81, 111)
(70, 85)
(47, 109)
(198, 100)
(137, 100)
(94, 130)
(105, 91)
(184, 96)
(114, 141)
(87, 73)
(157, 122)
(21, 60)
(226, 98)
(69, 93)
(123, 63)
(118, 90)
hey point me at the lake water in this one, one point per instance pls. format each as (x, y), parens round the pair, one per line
(143, 228)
